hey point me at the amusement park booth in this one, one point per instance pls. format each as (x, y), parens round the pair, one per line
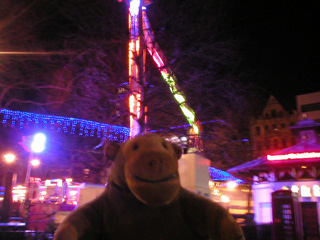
(286, 185)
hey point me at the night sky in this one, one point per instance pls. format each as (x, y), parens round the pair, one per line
(279, 41)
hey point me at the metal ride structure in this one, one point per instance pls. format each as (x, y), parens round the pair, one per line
(141, 38)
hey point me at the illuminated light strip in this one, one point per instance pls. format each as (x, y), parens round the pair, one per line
(31, 53)
(134, 51)
(158, 57)
(22, 120)
(220, 175)
(294, 156)
(134, 104)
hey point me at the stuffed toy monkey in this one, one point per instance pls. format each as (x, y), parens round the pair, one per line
(144, 200)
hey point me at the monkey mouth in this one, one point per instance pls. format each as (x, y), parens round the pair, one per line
(167, 179)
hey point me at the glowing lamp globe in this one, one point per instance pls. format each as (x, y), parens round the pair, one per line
(38, 143)
(9, 158)
(35, 162)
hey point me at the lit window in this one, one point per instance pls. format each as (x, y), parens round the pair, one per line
(305, 191)
(316, 190)
(295, 188)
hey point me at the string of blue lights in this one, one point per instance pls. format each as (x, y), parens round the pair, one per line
(220, 175)
(81, 127)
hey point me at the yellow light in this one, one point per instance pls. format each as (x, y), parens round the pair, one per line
(19, 191)
(43, 193)
(232, 185)
(316, 190)
(19, 187)
(73, 193)
(69, 181)
(138, 105)
(47, 183)
(190, 115)
(295, 188)
(9, 158)
(59, 182)
(225, 199)
(179, 98)
(195, 129)
(35, 162)
(216, 192)
(305, 191)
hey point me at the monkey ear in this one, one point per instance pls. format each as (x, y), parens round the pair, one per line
(177, 149)
(110, 150)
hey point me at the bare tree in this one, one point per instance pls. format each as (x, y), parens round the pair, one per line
(89, 80)
(205, 56)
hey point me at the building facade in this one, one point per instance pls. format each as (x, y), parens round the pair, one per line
(295, 169)
(271, 131)
(309, 105)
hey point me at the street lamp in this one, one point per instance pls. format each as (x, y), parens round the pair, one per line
(7, 183)
(35, 162)
(9, 158)
(37, 145)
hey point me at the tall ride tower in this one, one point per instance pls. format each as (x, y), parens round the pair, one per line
(141, 38)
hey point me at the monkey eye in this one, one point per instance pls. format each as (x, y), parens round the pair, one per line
(164, 145)
(135, 146)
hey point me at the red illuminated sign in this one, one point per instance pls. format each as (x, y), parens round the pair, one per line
(34, 179)
(290, 156)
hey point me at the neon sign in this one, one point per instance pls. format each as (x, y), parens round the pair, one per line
(293, 156)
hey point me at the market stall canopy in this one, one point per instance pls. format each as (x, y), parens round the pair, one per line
(306, 152)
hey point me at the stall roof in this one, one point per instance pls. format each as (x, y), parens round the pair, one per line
(299, 148)
(263, 163)
(220, 175)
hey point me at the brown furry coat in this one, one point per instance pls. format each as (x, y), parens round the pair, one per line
(144, 200)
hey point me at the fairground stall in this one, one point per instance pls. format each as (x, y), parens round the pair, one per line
(230, 192)
(50, 201)
(286, 185)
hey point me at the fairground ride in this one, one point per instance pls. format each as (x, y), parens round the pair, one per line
(141, 38)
